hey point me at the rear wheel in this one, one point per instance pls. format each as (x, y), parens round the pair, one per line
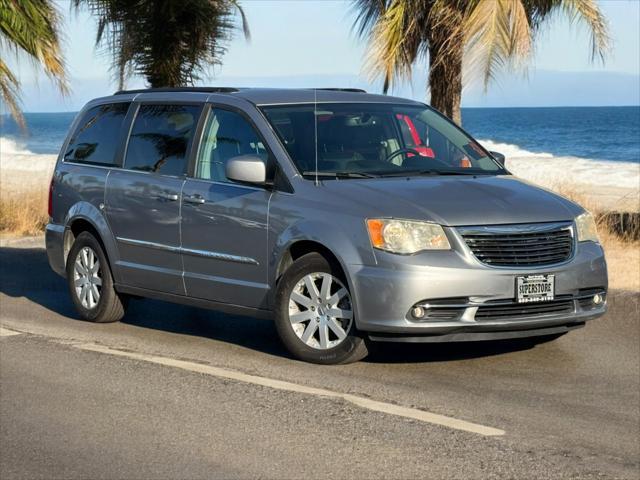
(91, 283)
(314, 313)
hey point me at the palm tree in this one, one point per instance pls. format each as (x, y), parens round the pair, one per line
(484, 35)
(169, 42)
(29, 28)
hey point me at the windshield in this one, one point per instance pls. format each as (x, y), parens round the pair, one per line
(369, 139)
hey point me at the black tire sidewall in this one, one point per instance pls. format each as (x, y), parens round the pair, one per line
(107, 292)
(351, 349)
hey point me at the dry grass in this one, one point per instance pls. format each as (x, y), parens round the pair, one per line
(621, 246)
(26, 214)
(623, 263)
(23, 214)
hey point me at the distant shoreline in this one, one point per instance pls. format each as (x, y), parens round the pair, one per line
(463, 108)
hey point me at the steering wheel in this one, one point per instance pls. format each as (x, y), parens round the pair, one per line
(402, 150)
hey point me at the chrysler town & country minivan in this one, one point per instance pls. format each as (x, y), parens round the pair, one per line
(347, 217)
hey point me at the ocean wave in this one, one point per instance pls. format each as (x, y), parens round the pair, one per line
(557, 172)
(512, 151)
(538, 167)
(15, 157)
(10, 146)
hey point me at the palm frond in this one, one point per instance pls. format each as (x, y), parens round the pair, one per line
(588, 13)
(445, 23)
(244, 21)
(170, 43)
(497, 34)
(368, 12)
(395, 41)
(10, 92)
(30, 28)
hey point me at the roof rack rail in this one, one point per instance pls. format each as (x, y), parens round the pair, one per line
(339, 89)
(180, 89)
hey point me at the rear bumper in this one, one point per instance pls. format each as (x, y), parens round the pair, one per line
(54, 241)
(385, 295)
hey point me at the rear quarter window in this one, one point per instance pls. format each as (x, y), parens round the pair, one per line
(96, 139)
(161, 137)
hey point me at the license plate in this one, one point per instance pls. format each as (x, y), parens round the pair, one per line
(535, 288)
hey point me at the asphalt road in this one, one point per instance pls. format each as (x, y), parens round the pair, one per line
(151, 405)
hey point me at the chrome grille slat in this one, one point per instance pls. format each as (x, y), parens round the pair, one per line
(522, 237)
(520, 245)
(529, 251)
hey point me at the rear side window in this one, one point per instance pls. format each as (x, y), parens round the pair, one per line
(95, 141)
(161, 137)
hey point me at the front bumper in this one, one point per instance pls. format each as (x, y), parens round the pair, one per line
(385, 294)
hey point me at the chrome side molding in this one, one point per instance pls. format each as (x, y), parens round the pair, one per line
(219, 256)
(226, 257)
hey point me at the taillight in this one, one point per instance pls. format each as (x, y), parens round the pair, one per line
(50, 204)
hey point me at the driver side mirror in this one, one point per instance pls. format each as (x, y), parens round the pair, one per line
(247, 169)
(499, 157)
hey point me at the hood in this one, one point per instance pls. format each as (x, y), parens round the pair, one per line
(455, 200)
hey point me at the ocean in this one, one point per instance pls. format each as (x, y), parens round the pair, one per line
(594, 133)
(586, 145)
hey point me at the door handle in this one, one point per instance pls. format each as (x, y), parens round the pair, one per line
(168, 196)
(194, 199)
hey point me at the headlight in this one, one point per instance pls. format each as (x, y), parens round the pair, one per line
(406, 236)
(586, 226)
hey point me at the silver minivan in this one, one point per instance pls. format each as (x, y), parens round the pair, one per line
(347, 217)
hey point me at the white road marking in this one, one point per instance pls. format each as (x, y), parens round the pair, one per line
(5, 332)
(362, 402)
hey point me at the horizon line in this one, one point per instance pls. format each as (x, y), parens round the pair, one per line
(463, 108)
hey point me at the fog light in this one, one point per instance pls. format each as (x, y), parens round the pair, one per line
(597, 299)
(417, 312)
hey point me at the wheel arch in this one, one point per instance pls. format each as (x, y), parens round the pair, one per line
(343, 245)
(75, 228)
(300, 248)
(85, 217)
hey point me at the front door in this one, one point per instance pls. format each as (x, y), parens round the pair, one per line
(143, 199)
(224, 224)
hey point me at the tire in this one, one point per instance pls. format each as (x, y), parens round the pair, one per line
(106, 305)
(330, 310)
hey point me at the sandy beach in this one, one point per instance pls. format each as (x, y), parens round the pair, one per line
(20, 174)
(605, 186)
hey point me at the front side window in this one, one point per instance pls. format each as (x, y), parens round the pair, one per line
(377, 140)
(161, 137)
(227, 135)
(97, 137)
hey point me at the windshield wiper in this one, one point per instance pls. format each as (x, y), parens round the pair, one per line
(410, 173)
(340, 174)
(445, 172)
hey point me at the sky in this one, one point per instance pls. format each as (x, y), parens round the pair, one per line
(309, 43)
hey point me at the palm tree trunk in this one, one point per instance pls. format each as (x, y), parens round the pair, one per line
(165, 60)
(445, 75)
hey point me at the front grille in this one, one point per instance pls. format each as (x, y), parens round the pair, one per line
(520, 245)
(520, 310)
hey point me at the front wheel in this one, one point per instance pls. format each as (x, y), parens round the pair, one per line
(90, 282)
(314, 313)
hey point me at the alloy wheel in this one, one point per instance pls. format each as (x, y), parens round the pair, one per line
(87, 278)
(320, 311)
